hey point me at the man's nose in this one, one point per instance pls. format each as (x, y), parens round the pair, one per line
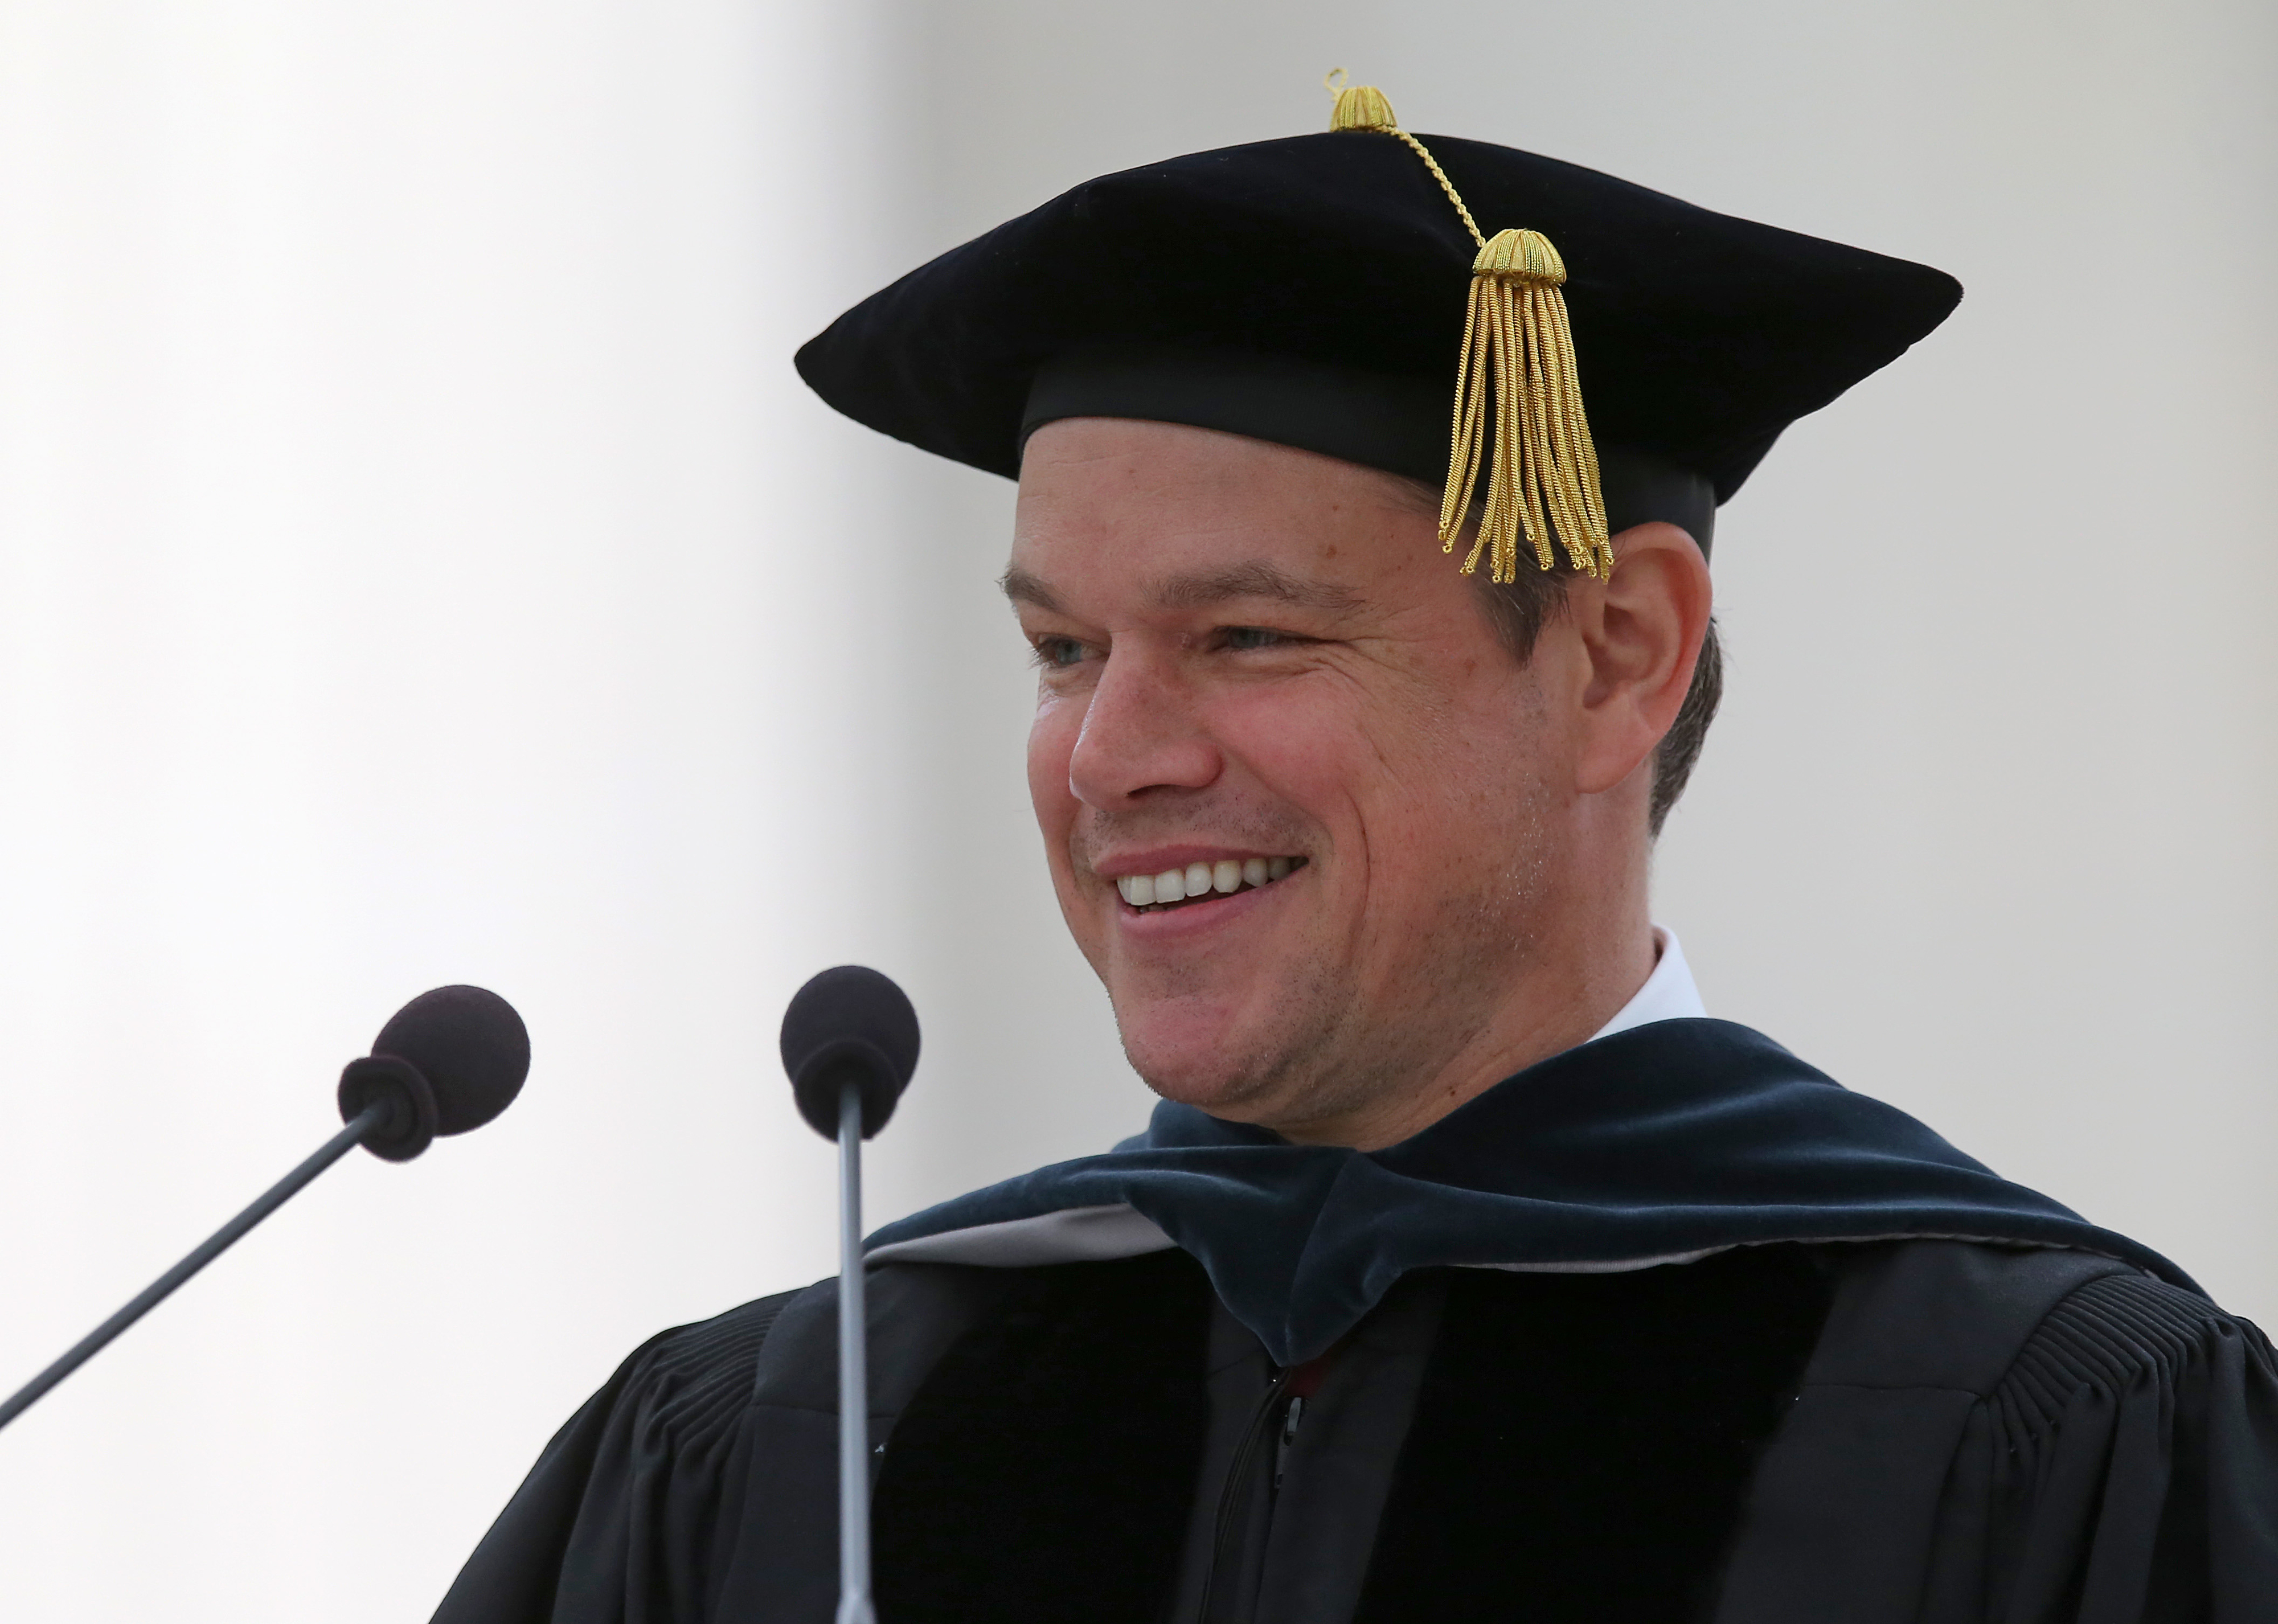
(1140, 736)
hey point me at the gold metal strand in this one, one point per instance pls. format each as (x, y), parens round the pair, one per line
(1446, 185)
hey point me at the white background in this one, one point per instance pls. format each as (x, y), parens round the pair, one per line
(419, 563)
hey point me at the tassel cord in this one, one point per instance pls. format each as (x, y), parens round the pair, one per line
(1462, 470)
(1513, 508)
(1446, 185)
(1552, 494)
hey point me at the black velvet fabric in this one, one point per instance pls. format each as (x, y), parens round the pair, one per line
(1396, 425)
(1670, 1140)
(1699, 336)
(1044, 1470)
(1583, 1442)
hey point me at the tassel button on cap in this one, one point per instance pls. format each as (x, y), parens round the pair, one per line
(1524, 257)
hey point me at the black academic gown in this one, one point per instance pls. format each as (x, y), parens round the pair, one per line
(1795, 1429)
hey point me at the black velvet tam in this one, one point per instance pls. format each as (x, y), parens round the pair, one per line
(1312, 292)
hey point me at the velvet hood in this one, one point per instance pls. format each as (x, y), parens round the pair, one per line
(1657, 1145)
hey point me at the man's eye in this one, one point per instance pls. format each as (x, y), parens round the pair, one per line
(1058, 653)
(1253, 638)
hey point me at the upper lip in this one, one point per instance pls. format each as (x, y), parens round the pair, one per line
(1160, 859)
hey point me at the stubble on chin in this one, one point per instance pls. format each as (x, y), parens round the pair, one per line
(1252, 1070)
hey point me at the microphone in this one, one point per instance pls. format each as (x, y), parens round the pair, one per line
(849, 1041)
(450, 1060)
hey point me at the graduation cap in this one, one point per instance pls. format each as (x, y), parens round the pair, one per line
(1324, 292)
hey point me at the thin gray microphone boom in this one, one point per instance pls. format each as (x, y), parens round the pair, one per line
(849, 1041)
(854, 1604)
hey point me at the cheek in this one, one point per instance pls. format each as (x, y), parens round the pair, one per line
(1416, 775)
(1330, 736)
(1052, 746)
(1312, 744)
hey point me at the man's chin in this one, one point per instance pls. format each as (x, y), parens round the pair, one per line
(1222, 1097)
(1240, 1047)
(1213, 1070)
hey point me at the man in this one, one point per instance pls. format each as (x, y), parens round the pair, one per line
(1467, 1270)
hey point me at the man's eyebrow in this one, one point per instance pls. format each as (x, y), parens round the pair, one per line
(1253, 580)
(1201, 591)
(1022, 587)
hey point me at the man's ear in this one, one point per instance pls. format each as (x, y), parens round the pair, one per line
(1641, 632)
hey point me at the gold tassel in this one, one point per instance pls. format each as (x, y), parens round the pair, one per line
(1542, 477)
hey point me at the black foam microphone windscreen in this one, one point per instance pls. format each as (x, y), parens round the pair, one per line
(448, 1061)
(850, 1025)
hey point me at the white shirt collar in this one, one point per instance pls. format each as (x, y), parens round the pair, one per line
(1667, 993)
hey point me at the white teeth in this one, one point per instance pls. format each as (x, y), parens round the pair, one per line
(1224, 877)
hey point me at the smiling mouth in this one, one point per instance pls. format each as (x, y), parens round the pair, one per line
(1201, 882)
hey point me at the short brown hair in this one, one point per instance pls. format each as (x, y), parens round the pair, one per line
(1519, 612)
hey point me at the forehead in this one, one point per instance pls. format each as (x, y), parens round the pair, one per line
(1123, 499)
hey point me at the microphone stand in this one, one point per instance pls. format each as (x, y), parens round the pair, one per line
(220, 1241)
(853, 1374)
(849, 1041)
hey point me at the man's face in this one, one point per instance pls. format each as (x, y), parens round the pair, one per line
(1249, 655)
